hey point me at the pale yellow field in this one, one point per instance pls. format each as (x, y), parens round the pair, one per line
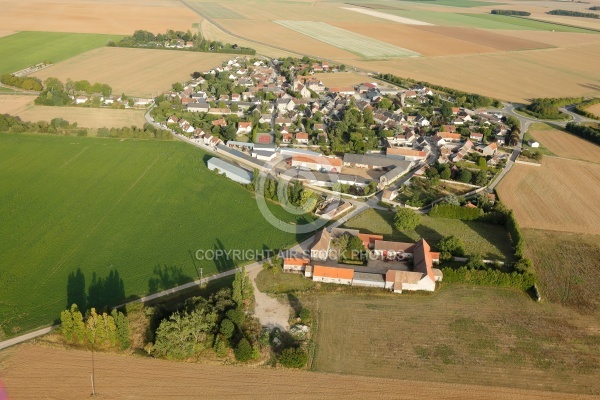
(135, 72)
(561, 195)
(6, 33)
(574, 21)
(513, 76)
(36, 372)
(87, 16)
(564, 144)
(555, 38)
(595, 109)
(93, 118)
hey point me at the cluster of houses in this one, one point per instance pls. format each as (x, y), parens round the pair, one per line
(137, 102)
(394, 266)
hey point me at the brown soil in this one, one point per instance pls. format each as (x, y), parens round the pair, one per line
(34, 372)
(566, 145)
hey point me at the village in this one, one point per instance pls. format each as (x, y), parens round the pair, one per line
(275, 116)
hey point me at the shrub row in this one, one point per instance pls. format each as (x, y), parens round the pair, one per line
(574, 14)
(586, 132)
(516, 236)
(581, 108)
(547, 108)
(511, 12)
(22, 82)
(489, 277)
(456, 212)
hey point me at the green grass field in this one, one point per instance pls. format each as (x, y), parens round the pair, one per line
(459, 334)
(109, 205)
(485, 21)
(491, 241)
(24, 49)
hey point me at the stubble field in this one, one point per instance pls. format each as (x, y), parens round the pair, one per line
(88, 16)
(467, 334)
(343, 78)
(561, 195)
(564, 144)
(595, 109)
(105, 205)
(567, 268)
(94, 118)
(33, 372)
(135, 72)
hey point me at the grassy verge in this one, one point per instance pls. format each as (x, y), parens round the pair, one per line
(491, 241)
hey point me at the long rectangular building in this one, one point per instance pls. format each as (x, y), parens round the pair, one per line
(234, 173)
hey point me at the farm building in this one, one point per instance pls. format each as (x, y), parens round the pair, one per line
(295, 265)
(317, 163)
(341, 276)
(234, 173)
(368, 280)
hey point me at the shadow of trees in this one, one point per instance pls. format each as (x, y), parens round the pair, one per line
(167, 277)
(101, 294)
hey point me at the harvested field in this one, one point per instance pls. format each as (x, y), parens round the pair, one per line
(33, 372)
(215, 10)
(486, 38)
(561, 195)
(107, 16)
(563, 144)
(6, 33)
(555, 38)
(279, 36)
(466, 334)
(595, 109)
(211, 32)
(135, 72)
(395, 18)
(514, 76)
(573, 21)
(355, 43)
(93, 118)
(427, 43)
(567, 267)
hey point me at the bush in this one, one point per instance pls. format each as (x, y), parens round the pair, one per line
(516, 236)
(587, 132)
(243, 351)
(406, 219)
(451, 246)
(547, 108)
(293, 358)
(22, 82)
(574, 14)
(455, 212)
(227, 328)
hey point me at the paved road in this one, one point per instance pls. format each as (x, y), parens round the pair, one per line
(23, 338)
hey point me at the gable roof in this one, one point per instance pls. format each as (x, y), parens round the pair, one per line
(333, 272)
(422, 259)
(322, 240)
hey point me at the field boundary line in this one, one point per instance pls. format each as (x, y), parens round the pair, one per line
(56, 267)
(74, 157)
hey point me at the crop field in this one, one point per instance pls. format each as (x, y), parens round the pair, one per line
(25, 49)
(491, 241)
(33, 372)
(513, 76)
(135, 72)
(561, 195)
(85, 16)
(344, 79)
(5, 33)
(595, 109)
(107, 205)
(567, 268)
(467, 334)
(563, 144)
(485, 21)
(454, 3)
(395, 18)
(214, 10)
(353, 42)
(93, 118)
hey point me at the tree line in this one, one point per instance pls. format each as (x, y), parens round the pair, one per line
(56, 93)
(587, 132)
(22, 82)
(547, 108)
(581, 108)
(511, 12)
(146, 39)
(574, 14)
(462, 99)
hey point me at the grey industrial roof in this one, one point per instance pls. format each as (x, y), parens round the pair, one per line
(363, 276)
(225, 166)
(380, 161)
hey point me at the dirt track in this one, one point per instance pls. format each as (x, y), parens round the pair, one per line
(34, 372)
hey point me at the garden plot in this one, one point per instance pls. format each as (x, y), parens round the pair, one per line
(343, 39)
